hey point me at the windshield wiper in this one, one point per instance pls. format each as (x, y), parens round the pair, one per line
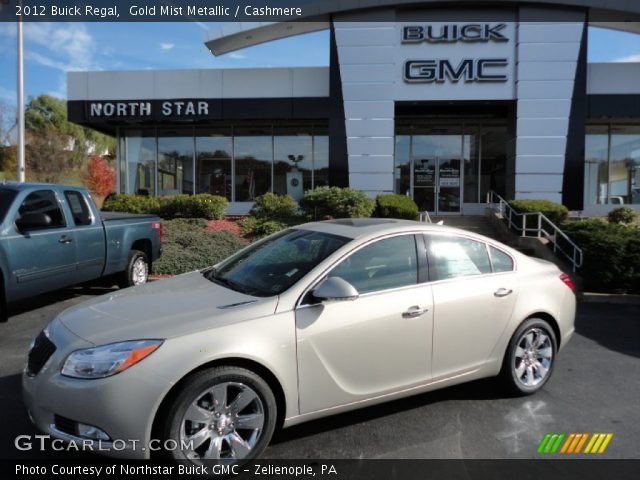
(225, 282)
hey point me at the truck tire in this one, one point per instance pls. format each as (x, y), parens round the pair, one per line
(137, 271)
(4, 316)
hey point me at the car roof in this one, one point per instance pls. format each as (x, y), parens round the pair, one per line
(28, 185)
(364, 227)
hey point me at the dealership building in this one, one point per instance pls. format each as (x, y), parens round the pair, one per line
(426, 99)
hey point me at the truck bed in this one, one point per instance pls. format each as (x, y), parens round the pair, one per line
(108, 216)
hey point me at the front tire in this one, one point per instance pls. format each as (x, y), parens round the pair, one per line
(224, 413)
(530, 357)
(137, 271)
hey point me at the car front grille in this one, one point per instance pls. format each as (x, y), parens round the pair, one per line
(65, 425)
(41, 351)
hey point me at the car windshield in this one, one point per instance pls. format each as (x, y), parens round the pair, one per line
(273, 265)
(6, 199)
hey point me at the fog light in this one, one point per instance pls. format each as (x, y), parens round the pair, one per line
(89, 431)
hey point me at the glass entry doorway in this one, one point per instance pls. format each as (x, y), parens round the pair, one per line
(436, 169)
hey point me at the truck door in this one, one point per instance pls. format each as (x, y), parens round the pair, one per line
(89, 233)
(41, 258)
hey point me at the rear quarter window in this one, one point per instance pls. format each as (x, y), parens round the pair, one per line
(500, 261)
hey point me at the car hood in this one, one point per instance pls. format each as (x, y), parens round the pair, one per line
(178, 306)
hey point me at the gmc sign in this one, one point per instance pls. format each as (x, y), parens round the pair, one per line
(469, 70)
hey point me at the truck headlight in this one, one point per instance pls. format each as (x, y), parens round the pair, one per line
(106, 360)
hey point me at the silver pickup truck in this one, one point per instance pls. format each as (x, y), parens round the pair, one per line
(53, 236)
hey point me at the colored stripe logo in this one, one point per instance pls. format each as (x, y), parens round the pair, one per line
(571, 443)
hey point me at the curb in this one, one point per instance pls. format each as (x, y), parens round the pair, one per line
(620, 299)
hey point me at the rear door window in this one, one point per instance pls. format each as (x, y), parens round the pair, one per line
(79, 208)
(451, 256)
(500, 261)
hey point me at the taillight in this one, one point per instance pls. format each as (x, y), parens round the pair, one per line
(158, 226)
(566, 279)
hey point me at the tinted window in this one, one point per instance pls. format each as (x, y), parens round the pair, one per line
(272, 266)
(43, 201)
(385, 264)
(500, 261)
(6, 199)
(451, 256)
(79, 208)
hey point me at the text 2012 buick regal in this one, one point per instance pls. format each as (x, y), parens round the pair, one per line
(312, 321)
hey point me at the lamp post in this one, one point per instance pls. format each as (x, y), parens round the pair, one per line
(20, 122)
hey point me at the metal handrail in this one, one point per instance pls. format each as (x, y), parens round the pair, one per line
(544, 228)
(424, 217)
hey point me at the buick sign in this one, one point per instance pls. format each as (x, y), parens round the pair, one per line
(472, 32)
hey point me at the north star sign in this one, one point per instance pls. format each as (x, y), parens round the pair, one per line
(490, 69)
(167, 108)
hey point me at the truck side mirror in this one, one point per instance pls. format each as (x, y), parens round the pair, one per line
(33, 220)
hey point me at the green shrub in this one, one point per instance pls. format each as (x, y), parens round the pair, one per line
(555, 212)
(622, 215)
(611, 255)
(131, 204)
(203, 205)
(336, 202)
(247, 224)
(187, 246)
(263, 229)
(396, 206)
(274, 207)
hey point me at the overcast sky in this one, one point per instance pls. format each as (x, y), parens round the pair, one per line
(52, 49)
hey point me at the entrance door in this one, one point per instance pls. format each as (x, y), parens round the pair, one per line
(436, 161)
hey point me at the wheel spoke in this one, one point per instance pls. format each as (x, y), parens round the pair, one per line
(239, 447)
(545, 352)
(519, 352)
(244, 398)
(528, 339)
(520, 369)
(196, 440)
(250, 422)
(542, 370)
(529, 375)
(197, 414)
(219, 394)
(214, 448)
(540, 339)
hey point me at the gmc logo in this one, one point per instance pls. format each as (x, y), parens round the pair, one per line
(472, 32)
(469, 70)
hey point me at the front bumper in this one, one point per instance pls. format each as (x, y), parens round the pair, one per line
(123, 405)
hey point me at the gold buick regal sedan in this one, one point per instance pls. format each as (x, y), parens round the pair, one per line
(314, 320)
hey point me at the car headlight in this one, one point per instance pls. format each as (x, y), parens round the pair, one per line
(106, 360)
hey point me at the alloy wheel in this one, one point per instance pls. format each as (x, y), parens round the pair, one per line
(532, 357)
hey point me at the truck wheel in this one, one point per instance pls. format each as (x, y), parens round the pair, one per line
(137, 271)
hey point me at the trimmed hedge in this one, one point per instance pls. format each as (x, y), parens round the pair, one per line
(131, 204)
(396, 206)
(336, 202)
(187, 246)
(622, 215)
(211, 207)
(274, 207)
(555, 212)
(611, 255)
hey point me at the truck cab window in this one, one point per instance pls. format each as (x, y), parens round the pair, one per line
(79, 208)
(43, 201)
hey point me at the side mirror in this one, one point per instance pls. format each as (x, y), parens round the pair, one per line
(335, 288)
(34, 220)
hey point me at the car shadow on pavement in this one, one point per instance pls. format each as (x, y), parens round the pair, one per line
(615, 327)
(484, 389)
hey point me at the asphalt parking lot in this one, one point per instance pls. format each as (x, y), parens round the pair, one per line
(595, 388)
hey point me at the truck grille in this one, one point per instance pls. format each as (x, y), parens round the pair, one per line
(41, 351)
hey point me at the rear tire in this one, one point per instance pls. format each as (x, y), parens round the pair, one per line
(530, 357)
(137, 271)
(229, 413)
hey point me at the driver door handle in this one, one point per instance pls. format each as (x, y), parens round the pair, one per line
(65, 239)
(414, 311)
(502, 292)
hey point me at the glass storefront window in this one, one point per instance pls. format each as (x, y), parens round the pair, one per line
(238, 162)
(292, 161)
(175, 161)
(213, 161)
(612, 165)
(253, 152)
(596, 172)
(402, 171)
(139, 152)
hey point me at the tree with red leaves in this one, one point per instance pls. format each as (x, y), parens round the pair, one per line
(100, 178)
